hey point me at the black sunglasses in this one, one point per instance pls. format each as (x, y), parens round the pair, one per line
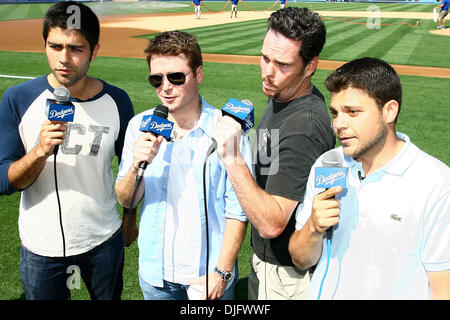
(175, 78)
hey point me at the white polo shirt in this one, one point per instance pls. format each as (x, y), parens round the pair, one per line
(393, 228)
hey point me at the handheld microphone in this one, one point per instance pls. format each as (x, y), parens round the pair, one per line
(242, 112)
(158, 125)
(60, 108)
(331, 174)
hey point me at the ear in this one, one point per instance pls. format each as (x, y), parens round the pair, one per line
(95, 51)
(390, 111)
(311, 66)
(199, 74)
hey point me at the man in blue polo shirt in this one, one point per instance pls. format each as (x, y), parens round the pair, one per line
(390, 224)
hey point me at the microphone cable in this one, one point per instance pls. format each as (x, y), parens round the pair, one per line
(326, 268)
(55, 152)
(205, 203)
(127, 231)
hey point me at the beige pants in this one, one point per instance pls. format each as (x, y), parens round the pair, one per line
(272, 282)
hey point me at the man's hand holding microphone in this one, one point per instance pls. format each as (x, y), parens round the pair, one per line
(305, 245)
(325, 210)
(237, 118)
(145, 149)
(59, 111)
(52, 134)
(227, 136)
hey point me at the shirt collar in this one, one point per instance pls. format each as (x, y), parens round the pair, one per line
(397, 165)
(204, 122)
(403, 159)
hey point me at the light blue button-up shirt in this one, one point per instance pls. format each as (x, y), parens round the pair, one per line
(222, 200)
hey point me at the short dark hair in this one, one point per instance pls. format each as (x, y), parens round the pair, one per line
(58, 17)
(374, 76)
(174, 43)
(303, 25)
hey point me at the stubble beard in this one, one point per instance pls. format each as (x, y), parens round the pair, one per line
(372, 146)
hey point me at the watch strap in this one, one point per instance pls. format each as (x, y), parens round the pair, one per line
(224, 275)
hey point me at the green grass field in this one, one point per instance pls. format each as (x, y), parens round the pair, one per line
(423, 116)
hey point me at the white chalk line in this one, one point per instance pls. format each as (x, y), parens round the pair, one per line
(15, 77)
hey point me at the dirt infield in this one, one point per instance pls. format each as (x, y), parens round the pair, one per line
(118, 32)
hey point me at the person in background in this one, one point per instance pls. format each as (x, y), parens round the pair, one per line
(442, 13)
(197, 8)
(234, 8)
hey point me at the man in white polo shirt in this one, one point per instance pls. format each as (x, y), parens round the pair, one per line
(391, 230)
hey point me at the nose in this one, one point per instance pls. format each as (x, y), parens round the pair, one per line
(267, 68)
(340, 121)
(166, 85)
(64, 57)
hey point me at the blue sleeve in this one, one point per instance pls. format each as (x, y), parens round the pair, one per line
(15, 102)
(126, 112)
(11, 146)
(233, 208)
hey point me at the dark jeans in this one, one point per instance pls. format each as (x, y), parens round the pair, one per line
(51, 278)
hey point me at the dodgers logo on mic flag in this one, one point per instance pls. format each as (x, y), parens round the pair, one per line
(241, 111)
(60, 111)
(330, 177)
(157, 125)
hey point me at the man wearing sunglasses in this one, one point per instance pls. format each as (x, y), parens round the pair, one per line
(172, 240)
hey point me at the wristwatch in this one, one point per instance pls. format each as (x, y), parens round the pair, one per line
(225, 275)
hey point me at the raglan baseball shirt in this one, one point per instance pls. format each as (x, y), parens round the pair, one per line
(83, 167)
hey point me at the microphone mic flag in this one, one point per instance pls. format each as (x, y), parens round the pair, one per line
(157, 124)
(60, 108)
(331, 174)
(241, 111)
